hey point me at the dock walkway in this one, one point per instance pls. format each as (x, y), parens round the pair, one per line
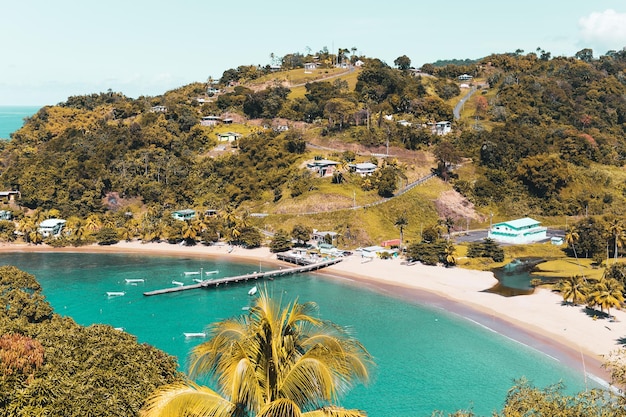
(209, 283)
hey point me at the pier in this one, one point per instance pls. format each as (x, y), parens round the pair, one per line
(214, 283)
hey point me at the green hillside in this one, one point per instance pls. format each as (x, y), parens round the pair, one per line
(540, 137)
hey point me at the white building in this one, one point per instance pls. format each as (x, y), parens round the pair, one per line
(51, 227)
(518, 231)
(363, 169)
(186, 214)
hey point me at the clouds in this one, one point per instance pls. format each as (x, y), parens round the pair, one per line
(604, 30)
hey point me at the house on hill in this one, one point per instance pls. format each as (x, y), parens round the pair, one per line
(9, 196)
(442, 128)
(519, 231)
(323, 167)
(210, 120)
(228, 136)
(363, 169)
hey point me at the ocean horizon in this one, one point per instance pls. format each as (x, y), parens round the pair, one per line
(427, 358)
(12, 118)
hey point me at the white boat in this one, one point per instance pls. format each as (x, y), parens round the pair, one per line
(245, 308)
(191, 273)
(212, 272)
(198, 280)
(119, 329)
(133, 280)
(115, 293)
(252, 291)
(198, 334)
(178, 283)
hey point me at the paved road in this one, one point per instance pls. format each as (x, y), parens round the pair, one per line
(459, 105)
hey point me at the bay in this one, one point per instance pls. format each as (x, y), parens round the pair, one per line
(12, 118)
(427, 359)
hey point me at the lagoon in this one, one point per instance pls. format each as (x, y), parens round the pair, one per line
(427, 359)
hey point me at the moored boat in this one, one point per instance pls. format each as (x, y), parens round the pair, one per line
(115, 293)
(196, 334)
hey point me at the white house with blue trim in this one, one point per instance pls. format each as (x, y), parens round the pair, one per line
(518, 231)
(51, 227)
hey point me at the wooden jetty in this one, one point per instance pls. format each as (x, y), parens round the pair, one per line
(247, 277)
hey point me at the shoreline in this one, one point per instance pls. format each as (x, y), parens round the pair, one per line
(538, 320)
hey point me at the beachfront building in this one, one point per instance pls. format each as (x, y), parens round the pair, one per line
(372, 252)
(525, 230)
(186, 214)
(51, 227)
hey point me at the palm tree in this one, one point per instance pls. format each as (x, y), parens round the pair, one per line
(401, 222)
(449, 252)
(575, 289)
(272, 362)
(571, 237)
(616, 229)
(607, 293)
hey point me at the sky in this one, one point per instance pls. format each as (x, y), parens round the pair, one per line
(52, 50)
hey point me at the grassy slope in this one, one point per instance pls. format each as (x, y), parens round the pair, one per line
(372, 225)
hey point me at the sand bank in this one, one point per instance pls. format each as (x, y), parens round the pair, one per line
(539, 320)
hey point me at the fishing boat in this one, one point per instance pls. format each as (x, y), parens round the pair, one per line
(187, 273)
(198, 280)
(133, 280)
(212, 272)
(115, 293)
(198, 334)
(178, 283)
(252, 291)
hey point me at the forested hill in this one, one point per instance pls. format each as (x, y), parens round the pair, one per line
(545, 134)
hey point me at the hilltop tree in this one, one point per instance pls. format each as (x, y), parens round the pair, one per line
(402, 62)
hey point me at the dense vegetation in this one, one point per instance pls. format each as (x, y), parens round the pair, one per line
(49, 365)
(541, 136)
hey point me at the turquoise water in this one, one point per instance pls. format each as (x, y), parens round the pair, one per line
(12, 118)
(427, 359)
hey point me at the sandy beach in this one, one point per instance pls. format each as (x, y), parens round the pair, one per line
(539, 320)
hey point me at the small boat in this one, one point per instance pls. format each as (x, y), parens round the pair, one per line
(245, 308)
(212, 272)
(191, 273)
(133, 280)
(178, 283)
(198, 334)
(115, 293)
(252, 291)
(119, 329)
(198, 280)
